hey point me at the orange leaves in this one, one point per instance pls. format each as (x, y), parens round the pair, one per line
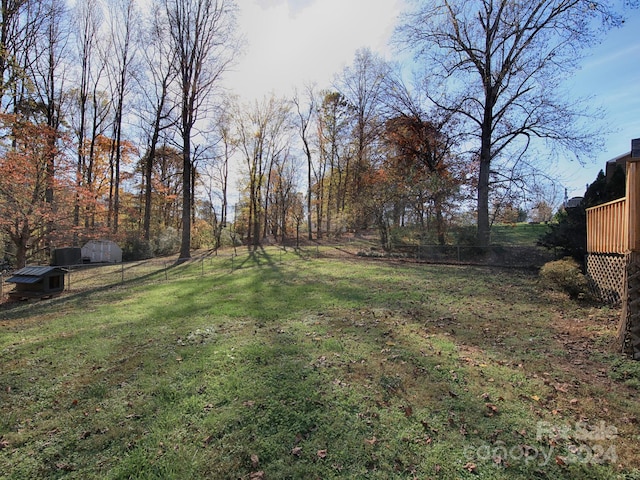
(29, 159)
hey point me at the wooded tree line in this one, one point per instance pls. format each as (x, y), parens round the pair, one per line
(114, 124)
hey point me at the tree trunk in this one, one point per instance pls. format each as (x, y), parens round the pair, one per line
(484, 175)
(185, 246)
(148, 169)
(440, 227)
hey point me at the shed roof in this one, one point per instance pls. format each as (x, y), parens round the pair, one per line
(33, 274)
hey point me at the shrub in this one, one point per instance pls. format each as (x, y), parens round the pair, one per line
(202, 235)
(565, 275)
(569, 234)
(229, 238)
(466, 235)
(136, 248)
(167, 242)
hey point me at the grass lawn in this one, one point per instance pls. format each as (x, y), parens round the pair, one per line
(296, 367)
(518, 233)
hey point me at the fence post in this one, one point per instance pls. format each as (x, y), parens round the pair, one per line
(166, 273)
(1, 286)
(202, 266)
(69, 279)
(121, 272)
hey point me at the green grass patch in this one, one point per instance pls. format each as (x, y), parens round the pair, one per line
(302, 367)
(518, 234)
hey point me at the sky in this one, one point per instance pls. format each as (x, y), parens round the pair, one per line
(290, 42)
(611, 74)
(293, 42)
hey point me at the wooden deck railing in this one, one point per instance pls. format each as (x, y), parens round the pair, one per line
(608, 227)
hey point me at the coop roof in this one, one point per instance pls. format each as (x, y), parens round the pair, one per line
(33, 274)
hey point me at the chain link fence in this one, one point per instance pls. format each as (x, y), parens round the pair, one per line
(494, 255)
(86, 277)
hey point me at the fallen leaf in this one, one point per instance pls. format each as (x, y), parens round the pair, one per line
(372, 441)
(470, 467)
(255, 461)
(535, 397)
(65, 466)
(408, 411)
(492, 408)
(297, 451)
(573, 401)
(257, 475)
(322, 454)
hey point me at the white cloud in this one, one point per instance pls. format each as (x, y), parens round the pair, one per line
(296, 41)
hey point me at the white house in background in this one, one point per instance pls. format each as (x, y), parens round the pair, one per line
(101, 251)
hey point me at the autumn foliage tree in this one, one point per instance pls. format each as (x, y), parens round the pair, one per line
(24, 180)
(422, 169)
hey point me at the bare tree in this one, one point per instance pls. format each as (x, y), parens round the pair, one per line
(362, 85)
(283, 195)
(20, 22)
(48, 74)
(217, 173)
(88, 17)
(120, 56)
(155, 107)
(264, 134)
(202, 36)
(334, 157)
(500, 64)
(306, 115)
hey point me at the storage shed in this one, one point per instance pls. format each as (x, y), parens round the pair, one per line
(66, 256)
(37, 282)
(101, 251)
